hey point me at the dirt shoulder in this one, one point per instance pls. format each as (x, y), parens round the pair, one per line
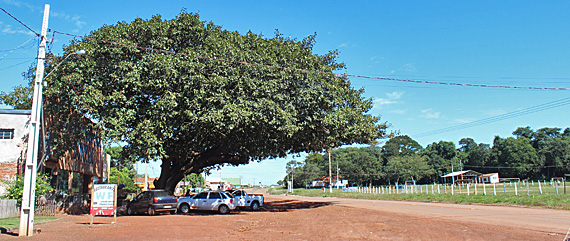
(295, 218)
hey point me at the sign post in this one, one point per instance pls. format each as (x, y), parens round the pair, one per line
(104, 201)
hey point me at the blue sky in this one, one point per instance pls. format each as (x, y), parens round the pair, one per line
(512, 43)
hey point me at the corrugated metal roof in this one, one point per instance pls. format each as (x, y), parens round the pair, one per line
(459, 173)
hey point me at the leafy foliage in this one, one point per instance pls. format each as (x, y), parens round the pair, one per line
(194, 113)
(540, 154)
(125, 176)
(16, 187)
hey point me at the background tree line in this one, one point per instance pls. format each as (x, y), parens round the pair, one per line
(529, 154)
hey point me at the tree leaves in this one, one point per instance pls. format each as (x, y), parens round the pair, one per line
(225, 98)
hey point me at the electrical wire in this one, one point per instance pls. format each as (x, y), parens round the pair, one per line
(525, 111)
(12, 50)
(27, 61)
(317, 72)
(17, 20)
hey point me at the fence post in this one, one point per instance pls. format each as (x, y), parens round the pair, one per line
(527, 191)
(556, 186)
(484, 190)
(504, 189)
(516, 192)
(539, 187)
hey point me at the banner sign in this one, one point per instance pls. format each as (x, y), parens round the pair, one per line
(103, 200)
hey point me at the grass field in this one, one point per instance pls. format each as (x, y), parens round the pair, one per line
(505, 195)
(10, 223)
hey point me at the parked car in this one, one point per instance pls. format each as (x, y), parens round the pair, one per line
(151, 202)
(208, 200)
(243, 200)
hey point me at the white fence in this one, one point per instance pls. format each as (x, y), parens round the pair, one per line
(8, 208)
(504, 188)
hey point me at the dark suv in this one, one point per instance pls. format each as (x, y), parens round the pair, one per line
(151, 202)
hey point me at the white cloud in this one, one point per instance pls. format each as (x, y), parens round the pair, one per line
(396, 95)
(76, 20)
(409, 67)
(342, 45)
(382, 101)
(391, 99)
(8, 29)
(31, 7)
(463, 120)
(430, 114)
(399, 111)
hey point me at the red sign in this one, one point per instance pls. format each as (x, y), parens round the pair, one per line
(103, 211)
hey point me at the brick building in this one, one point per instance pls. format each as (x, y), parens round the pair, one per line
(72, 173)
(13, 143)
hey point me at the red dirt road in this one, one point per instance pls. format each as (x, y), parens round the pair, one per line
(302, 218)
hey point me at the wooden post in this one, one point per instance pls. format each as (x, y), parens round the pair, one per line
(116, 204)
(90, 214)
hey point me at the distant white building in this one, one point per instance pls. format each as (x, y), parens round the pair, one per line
(13, 143)
(217, 183)
(489, 178)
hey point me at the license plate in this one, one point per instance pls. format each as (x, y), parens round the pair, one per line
(167, 206)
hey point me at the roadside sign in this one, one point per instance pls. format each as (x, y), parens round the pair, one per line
(104, 200)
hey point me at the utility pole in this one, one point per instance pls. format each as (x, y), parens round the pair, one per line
(337, 173)
(330, 172)
(29, 191)
(146, 177)
(452, 178)
(292, 173)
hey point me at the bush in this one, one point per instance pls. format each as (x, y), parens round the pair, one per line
(16, 187)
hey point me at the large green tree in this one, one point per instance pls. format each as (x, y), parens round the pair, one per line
(517, 154)
(205, 106)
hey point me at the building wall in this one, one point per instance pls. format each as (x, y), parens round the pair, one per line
(13, 151)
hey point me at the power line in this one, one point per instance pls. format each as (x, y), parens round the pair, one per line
(37, 34)
(525, 111)
(27, 61)
(317, 72)
(12, 50)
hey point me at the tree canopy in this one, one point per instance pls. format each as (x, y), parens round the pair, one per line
(195, 96)
(540, 154)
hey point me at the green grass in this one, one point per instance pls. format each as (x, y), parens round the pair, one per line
(10, 223)
(506, 196)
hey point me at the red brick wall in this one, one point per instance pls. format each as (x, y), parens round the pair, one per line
(8, 170)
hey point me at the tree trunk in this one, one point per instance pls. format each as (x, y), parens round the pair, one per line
(173, 169)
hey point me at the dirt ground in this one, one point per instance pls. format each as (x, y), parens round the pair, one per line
(282, 218)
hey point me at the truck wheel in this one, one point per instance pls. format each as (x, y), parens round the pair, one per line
(223, 209)
(255, 206)
(151, 211)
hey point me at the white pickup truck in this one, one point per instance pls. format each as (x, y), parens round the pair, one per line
(243, 200)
